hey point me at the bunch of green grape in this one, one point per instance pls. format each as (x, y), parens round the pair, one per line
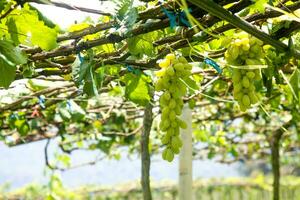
(245, 51)
(173, 70)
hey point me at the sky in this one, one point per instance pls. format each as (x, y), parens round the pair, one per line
(65, 17)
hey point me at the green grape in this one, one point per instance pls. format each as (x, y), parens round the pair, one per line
(174, 124)
(245, 82)
(164, 154)
(179, 67)
(182, 60)
(165, 63)
(172, 115)
(236, 75)
(168, 154)
(235, 52)
(167, 123)
(165, 139)
(250, 75)
(245, 50)
(182, 124)
(170, 132)
(188, 67)
(166, 95)
(171, 101)
(238, 87)
(176, 142)
(159, 85)
(178, 110)
(176, 150)
(238, 96)
(171, 56)
(253, 98)
(160, 73)
(165, 111)
(246, 100)
(170, 71)
(172, 104)
(163, 102)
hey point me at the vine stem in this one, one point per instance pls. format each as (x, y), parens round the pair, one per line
(145, 161)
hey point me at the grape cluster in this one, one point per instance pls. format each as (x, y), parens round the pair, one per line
(246, 50)
(173, 70)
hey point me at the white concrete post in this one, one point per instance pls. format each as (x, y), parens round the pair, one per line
(185, 157)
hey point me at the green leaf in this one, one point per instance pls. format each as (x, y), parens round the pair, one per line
(25, 27)
(70, 111)
(12, 53)
(7, 72)
(79, 70)
(295, 82)
(10, 56)
(139, 46)
(259, 5)
(137, 89)
(142, 44)
(3, 3)
(76, 111)
(42, 17)
(22, 126)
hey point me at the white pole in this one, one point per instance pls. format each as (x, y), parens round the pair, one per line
(185, 157)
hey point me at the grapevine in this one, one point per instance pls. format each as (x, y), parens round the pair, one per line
(173, 70)
(246, 50)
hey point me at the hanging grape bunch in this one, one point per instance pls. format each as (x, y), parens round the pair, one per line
(173, 70)
(245, 51)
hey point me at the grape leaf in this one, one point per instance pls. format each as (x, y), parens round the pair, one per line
(295, 82)
(10, 56)
(137, 89)
(25, 27)
(2, 4)
(142, 44)
(7, 72)
(13, 54)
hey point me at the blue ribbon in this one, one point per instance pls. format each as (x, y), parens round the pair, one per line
(176, 17)
(81, 59)
(132, 70)
(14, 116)
(213, 64)
(69, 106)
(42, 102)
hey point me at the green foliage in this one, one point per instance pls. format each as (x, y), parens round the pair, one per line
(70, 111)
(126, 14)
(137, 88)
(295, 82)
(258, 188)
(10, 57)
(25, 24)
(84, 75)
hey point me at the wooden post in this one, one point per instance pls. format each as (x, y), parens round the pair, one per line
(275, 158)
(185, 157)
(145, 161)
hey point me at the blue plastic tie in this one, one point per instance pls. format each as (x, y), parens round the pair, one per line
(42, 102)
(183, 18)
(132, 70)
(14, 116)
(81, 59)
(69, 106)
(213, 64)
(176, 17)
